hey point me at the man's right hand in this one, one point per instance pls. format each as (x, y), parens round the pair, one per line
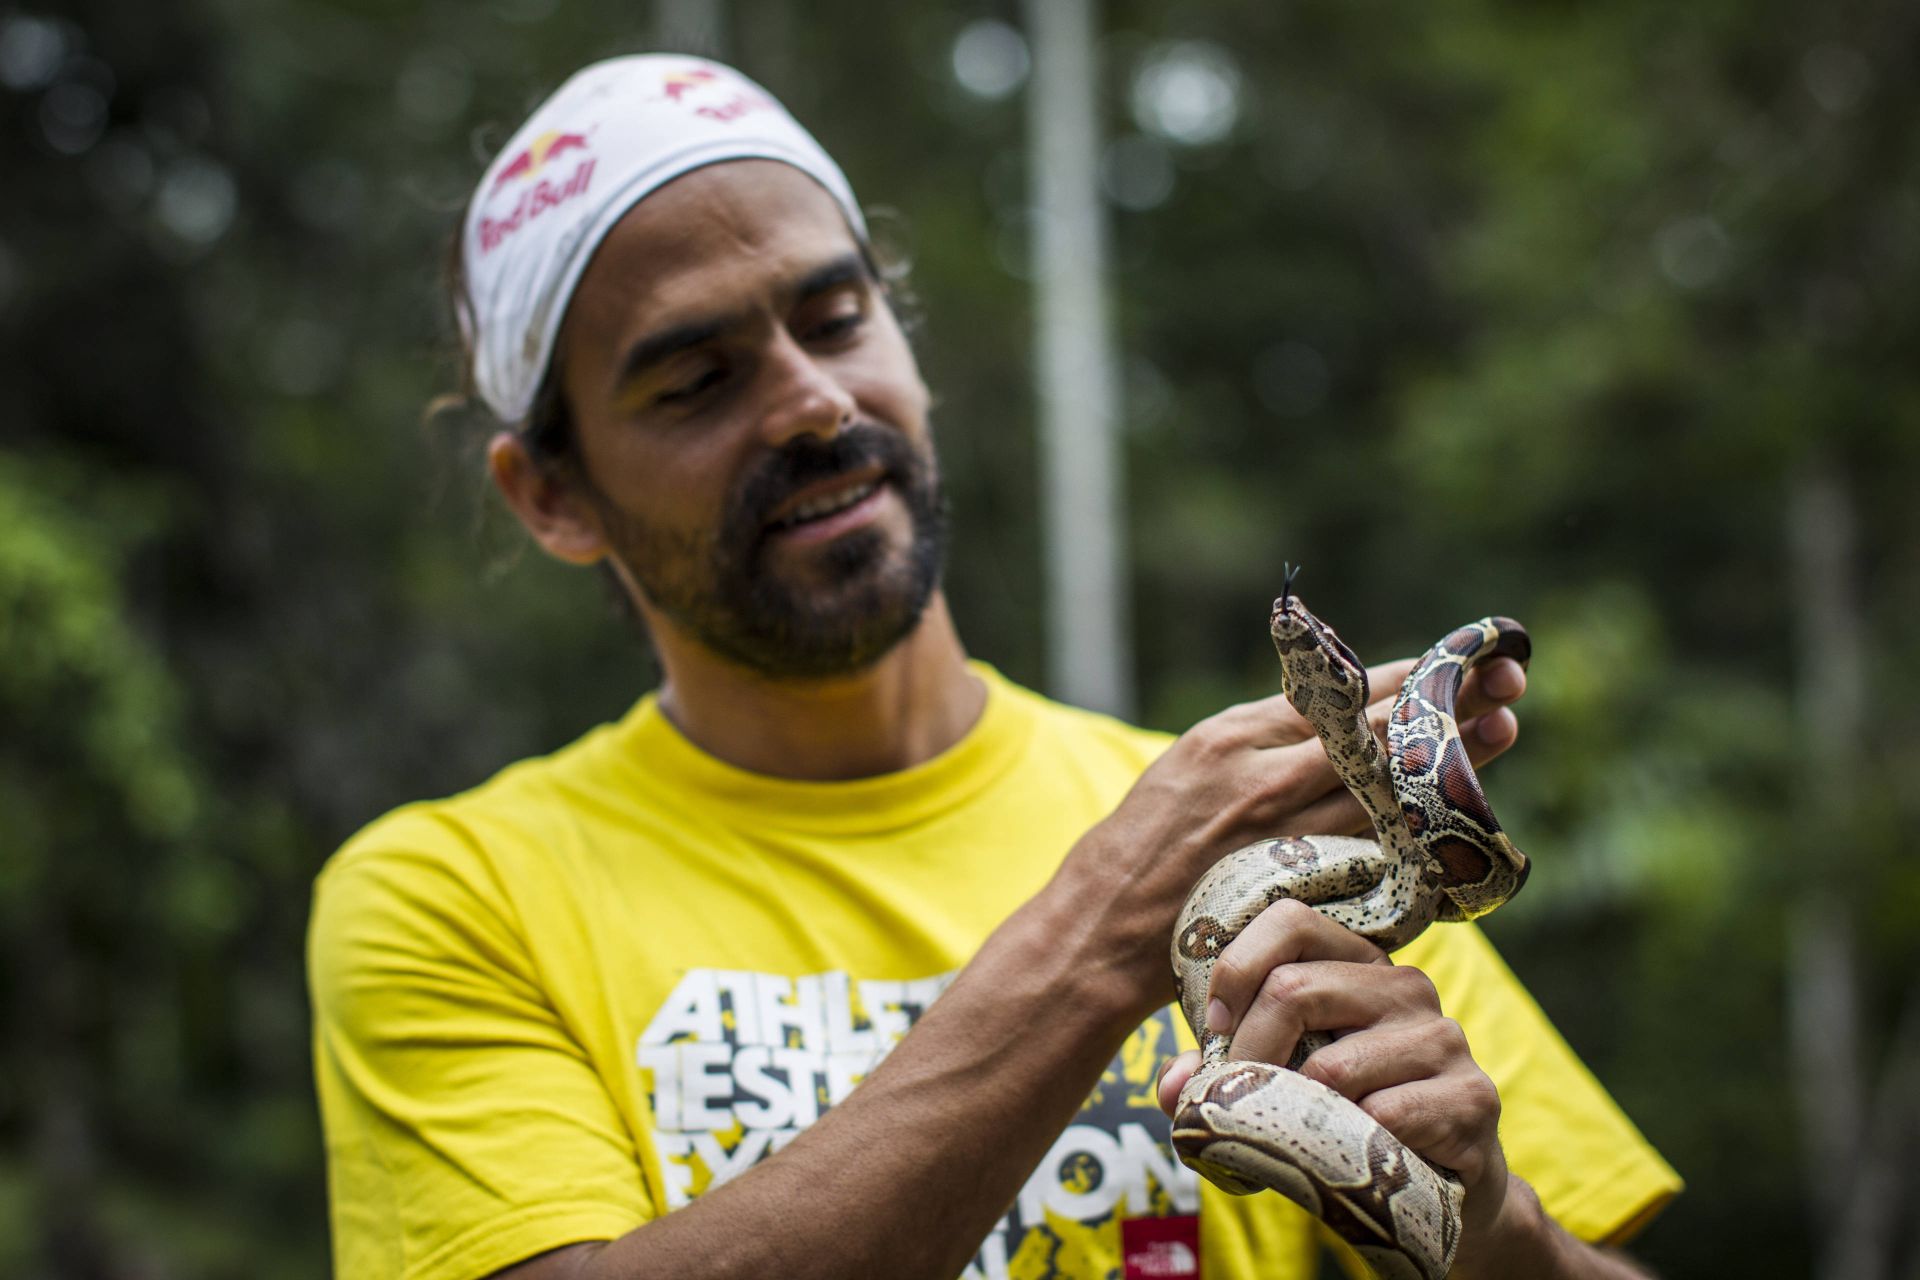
(1248, 773)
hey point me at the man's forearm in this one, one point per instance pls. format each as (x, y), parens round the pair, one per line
(1529, 1245)
(908, 1174)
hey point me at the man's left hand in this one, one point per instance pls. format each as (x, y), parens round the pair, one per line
(1399, 1057)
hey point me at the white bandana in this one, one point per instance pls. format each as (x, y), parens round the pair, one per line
(608, 137)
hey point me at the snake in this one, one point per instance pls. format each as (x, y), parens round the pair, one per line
(1438, 854)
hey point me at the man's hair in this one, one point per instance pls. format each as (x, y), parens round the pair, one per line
(547, 432)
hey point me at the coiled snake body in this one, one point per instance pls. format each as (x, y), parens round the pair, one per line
(1438, 854)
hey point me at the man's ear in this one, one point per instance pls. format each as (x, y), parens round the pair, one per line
(559, 517)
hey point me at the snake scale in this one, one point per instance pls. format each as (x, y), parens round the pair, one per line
(1438, 854)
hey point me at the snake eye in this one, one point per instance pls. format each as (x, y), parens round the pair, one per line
(1354, 667)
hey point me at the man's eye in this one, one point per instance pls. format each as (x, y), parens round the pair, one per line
(838, 325)
(689, 389)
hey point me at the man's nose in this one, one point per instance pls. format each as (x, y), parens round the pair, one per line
(804, 398)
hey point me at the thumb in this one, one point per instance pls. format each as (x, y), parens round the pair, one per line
(1174, 1077)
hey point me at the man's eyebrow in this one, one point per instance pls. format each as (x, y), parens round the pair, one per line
(846, 269)
(656, 347)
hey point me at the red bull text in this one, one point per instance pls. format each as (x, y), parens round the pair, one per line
(533, 202)
(676, 85)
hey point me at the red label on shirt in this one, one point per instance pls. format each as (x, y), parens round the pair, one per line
(1161, 1248)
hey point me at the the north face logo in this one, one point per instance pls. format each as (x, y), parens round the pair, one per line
(1161, 1248)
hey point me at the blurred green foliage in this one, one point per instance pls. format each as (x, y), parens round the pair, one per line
(1492, 306)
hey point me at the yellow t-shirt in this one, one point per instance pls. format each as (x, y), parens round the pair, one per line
(578, 996)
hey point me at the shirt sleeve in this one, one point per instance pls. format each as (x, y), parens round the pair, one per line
(465, 1128)
(1594, 1172)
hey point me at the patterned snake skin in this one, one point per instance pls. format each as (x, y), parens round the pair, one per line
(1438, 854)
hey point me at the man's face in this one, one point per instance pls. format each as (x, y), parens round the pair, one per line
(752, 425)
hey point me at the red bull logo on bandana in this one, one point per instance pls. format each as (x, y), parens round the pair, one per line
(728, 104)
(679, 83)
(613, 133)
(537, 193)
(548, 147)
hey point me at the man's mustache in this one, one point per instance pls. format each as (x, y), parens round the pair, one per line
(807, 460)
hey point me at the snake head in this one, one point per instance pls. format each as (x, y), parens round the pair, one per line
(1292, 624)
(1310, 652)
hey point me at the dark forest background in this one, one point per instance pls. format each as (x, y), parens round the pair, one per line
(1601, 316)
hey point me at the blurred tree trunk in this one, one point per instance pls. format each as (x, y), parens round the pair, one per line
(65, 1148)
(1854, 1151)
(1089, 655)
(691, 26)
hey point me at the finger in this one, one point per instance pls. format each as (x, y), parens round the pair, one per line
(1383, 690)
(1495, 683)
(1335, 813)
(1452, 1120)
(1490, 735)
(1384, 681)
(1286, 933)
(1383, 687)
(1326, 996)
(1385, 1056)
(1491, 685)
(1272, 721)
(1174, 1077)
(1267, 722)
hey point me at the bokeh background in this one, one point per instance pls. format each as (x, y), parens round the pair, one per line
(1602, 316)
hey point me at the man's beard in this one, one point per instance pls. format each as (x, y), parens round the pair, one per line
(861, 599)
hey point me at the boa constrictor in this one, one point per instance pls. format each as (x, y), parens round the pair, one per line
(1438, 854)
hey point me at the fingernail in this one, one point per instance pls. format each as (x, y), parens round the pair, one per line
(1502, 682)
(1219, 1017)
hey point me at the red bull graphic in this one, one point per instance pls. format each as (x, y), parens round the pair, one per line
(725, 105)
(678, 83)
(537, 193)
(548, 147)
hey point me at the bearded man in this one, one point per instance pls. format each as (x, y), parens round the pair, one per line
(605, 1014)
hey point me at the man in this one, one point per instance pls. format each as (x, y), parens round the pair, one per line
(604, 1015)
